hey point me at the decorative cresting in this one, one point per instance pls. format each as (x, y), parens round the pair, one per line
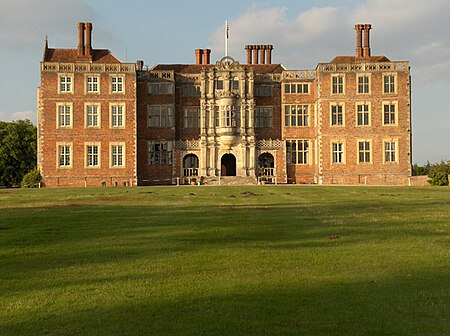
(228, 63)
(270, 143)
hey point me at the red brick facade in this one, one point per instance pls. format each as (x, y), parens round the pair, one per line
(103, 122)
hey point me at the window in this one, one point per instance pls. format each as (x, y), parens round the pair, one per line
(389, 85)
(65, 84)
(337, 83)
(362, 115)
(117, 155)
(235, 84)
(263, 116)
(192, 117)
(92, 84)
(264, 90)
(117, 115)
(117, 84)
(364, 151)
(337, 149)
(191, 91)
(219, 84)
(160, 88)
(92, 115)
(160, 116)
(291, 88)
(296, 115)
(389, 113)
(337, 115)
(64, 115)
(297, 151)
(363, 84)
(230, 115)
(160, 153)
(390, 151)
(92, 155)
(64, 155)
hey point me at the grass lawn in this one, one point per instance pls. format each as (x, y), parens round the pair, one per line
(274, 260)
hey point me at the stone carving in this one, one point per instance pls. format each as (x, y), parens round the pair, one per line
(270, 143)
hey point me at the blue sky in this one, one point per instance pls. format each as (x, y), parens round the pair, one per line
(303, 33)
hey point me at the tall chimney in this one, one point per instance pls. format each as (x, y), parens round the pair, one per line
(359, 49)
(269, 54)
(262, 54)
(80, 38)
(206, 56)
(248, 49)
(255, 54)
(367, 28)
(198, 56)
(88, 50)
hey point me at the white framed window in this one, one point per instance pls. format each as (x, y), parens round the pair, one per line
(160, 116)
(364, 151)
(191, 91)
(296, 115)
(117, 154)
(230, 115)
(263, 116)
(93, 84)
(297, 151)
(92, 154)
(390, 151)
(160, 88)
(65, 84)
(64, 115)
(337, 114)
(192, 117)
(337, 152)
(92, 115)
(389, 83)
(362, 114)
(160, 153)
(64, 155)
(337, 84)
(117, 115)
(389, 113)
(296, 88)
(117, 84)
(262, 90)
(363, 84)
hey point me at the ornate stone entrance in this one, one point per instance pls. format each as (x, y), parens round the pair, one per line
(228, 165)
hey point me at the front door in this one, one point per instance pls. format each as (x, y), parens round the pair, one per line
(228, 165)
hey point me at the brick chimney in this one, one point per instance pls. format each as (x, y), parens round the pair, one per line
(88, 49)
(269, 49)
(366, 51)
(198, 56)
(206, 56)
(359, 49)
(81, 28)
(259, 54)
(248, 49)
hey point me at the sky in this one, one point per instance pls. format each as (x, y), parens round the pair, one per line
(304, 33)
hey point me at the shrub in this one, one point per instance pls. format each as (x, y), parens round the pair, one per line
(438, 173)
(31, 179)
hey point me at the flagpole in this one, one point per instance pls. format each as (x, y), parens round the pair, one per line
(226, 37)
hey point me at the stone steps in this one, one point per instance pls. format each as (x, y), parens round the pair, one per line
(230, 180)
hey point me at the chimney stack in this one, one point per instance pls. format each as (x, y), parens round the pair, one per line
(249, 53)
(198, 56)
(259, 53)
(359, 49)
(206, 56)
(262, 54)
(81, 38)
(88, 49)
(366, 53)
(269, 49)
(255, 54)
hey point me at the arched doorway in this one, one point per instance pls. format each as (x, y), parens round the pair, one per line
(190, 165)
(228, 165)
(266, 165)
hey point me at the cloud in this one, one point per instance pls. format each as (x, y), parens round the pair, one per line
(19, 115)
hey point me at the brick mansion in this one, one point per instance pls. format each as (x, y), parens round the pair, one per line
(102, 122)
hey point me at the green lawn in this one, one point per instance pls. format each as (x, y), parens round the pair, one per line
(274, 260)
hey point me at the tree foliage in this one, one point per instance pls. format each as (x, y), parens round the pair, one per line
(421, 170)
(438, 173)
(31, 179)
(17, 151)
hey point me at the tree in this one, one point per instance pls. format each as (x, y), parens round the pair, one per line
(439, 173)
(421, 170)
(17, 151)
